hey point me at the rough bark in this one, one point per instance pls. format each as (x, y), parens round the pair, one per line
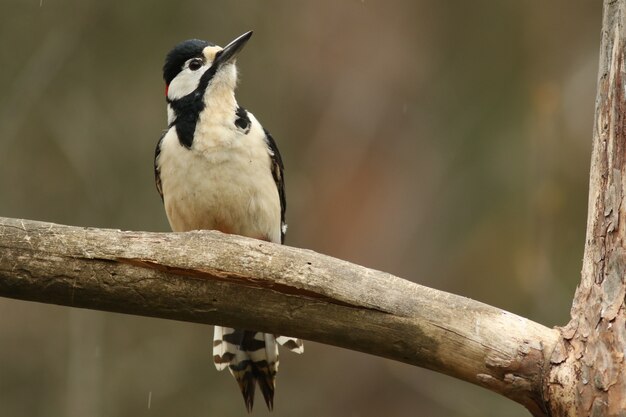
(588, 377)
(209, 277)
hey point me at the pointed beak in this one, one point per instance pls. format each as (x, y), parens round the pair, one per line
(231, 50)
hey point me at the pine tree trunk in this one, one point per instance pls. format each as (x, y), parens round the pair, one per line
(588, 376)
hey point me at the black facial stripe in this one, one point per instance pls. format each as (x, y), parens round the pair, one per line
(187, 109)
(206, 79)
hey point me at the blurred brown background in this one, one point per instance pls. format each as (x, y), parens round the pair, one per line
(446, 142)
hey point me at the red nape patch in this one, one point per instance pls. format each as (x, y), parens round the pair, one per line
(167, 87)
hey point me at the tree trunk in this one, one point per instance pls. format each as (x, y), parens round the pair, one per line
(588, 376)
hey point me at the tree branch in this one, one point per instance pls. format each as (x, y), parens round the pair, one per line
(208, 277)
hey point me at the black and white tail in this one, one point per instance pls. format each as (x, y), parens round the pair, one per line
(251, 357)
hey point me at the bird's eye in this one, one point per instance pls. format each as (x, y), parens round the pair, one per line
(195, 64)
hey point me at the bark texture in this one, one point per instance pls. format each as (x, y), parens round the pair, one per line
(588, 377)
(209, 277)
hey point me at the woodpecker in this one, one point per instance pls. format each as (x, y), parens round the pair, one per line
(217, 168)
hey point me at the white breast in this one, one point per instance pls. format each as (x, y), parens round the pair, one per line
(224, 182)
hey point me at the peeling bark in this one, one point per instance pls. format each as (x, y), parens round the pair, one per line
(588, 377)
(206, 277)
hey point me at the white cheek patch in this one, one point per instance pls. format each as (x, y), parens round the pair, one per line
(184, 83)
(187, 80)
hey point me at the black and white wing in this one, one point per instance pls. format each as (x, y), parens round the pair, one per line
(157, 170)
(277, 173)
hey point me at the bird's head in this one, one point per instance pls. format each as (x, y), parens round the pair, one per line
(194, 65)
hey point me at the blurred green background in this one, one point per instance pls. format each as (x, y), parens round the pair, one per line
(447, 142)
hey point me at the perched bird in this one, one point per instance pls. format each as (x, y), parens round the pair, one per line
(217, 168)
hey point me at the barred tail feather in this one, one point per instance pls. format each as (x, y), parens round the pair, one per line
(291, 343)
(220, 358)
(252, 357)
(245, 376)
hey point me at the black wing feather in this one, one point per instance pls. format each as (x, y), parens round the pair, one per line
(277, 173)
(157, 170)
